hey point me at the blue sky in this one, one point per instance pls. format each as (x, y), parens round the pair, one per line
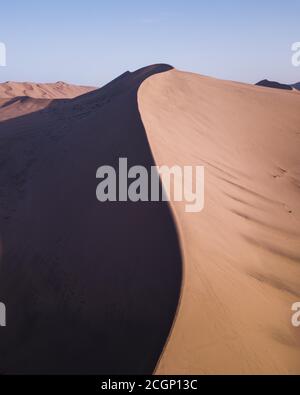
(93, 41)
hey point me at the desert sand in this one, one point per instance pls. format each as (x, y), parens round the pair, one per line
(275, 85)
(20, 98)
(242, 252)
(57, 90)
(18, 106)
(278, 85)
(297, 86)
(89, 287)
(94, 288)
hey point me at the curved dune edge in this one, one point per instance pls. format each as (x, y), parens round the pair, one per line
(242, 253)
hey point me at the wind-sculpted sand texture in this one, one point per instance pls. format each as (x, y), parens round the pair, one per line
(89, 287)
(242, 252)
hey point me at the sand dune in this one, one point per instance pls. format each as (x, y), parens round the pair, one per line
(57, 90)
(21, 98)
(278, 85)
(89, 287)
(94, 288)
(242, 253)
(275, 85)
(297, 86)
(18, 106)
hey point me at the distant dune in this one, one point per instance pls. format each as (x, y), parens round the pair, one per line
(242, 253)
(18, 106)
(278, 85)
(297, 86)
(57, 90)
(20, 98)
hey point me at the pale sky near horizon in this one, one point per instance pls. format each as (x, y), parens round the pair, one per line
(91, 42)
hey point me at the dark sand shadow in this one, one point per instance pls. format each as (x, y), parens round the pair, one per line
(89, 287)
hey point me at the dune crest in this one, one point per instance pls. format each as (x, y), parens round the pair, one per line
(242, 253)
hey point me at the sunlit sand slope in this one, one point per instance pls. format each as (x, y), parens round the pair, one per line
(242, 253)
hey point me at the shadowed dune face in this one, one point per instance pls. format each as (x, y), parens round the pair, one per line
(242, 253)
(89, 287)
(274, 84)
(278, 85)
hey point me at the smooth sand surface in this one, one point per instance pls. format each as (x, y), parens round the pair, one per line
(242, 253)
(89, 287)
